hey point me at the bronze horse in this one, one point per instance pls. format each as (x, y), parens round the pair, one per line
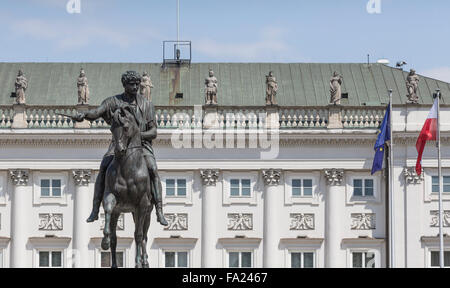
(127, 186)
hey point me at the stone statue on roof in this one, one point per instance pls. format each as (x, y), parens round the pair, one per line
(83, 88)
(335, 89)
(412, 84)
(146, 86)
(211, 89)
(21, 86)
(271, 89)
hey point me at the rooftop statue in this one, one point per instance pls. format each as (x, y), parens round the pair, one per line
(211, 89)
(335, 89)
(128, 179)
(271, 89)
(412, 84)
(21, 86)
(146, 86)
(83, 88)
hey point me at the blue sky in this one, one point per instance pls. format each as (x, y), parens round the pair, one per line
(230, 31)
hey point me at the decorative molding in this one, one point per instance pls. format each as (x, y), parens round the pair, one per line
(51, 222)
(82, 177)
(19, 177)
(240, 221)
(435, 218)
(272, 176)
(411, 175)
(120, 222)
(302, 221)
(177, 221)
(209, 176)
(363, 221)
(334, 177)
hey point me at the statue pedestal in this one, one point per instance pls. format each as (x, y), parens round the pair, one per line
(85, 124)
(334, 117)
(272, 117)
(211, 118)
(20, 117)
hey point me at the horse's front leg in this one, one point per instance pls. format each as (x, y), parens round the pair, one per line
(145, 263)
(113, 237)
(138, 236)
(109, 203)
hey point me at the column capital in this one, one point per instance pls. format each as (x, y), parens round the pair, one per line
(271, 176)
(82, 177)
(209, 176)
(411, 176)
(334, 177)
(19, 177)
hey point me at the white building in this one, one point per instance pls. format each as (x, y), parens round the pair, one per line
(298, 195)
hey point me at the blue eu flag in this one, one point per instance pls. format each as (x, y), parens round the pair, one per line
(383, 136)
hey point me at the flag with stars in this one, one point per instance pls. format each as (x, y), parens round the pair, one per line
(383, 136)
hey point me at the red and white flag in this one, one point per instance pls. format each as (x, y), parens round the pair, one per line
(428, 132)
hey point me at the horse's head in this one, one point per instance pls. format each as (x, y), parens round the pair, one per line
(124, 128)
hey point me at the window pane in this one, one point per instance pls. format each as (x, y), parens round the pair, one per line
(357, 191)
(296, 183)
(296, 260)
(181, 191)
(245, 191)
(446, 259)
(56, 192)
(119, 258)
(434, 180)
(307, 191)
(44, 259)
(370, 260)
(357, 260)
(181, 185)
(170, 187)
(435, 188)
(234, 260)
(170, 259)
(308, 260)
(56, 259)
(246, 259)
(446, 188)
(234, 192)
(45, 183)
(45, 191)
(182, 259)
(357, 183)
(296, 191)
(246, 183)
(56, 183)
(446, 179)
(105, 259)
(368, 183)
(434, 259)
(234, 183)
(307, 183)
(368, 191)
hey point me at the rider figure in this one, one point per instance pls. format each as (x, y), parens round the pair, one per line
(145, 116)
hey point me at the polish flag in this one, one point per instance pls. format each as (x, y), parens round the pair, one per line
(428, 133)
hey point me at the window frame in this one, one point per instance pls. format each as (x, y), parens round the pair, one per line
(227, 199)
(176, 199)
(38, 199)
(355, 199)
(176, 251)
(290, 199)
(50, 251)
(363, 252)
(121, 250)
(240, 179)
(175, 245)
(176, 195)
(363, 187)
(302, 259)
(436, 250)
(240, 251)
(429, 195)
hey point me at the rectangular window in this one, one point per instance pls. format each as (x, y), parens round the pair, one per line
(240, 188)
(301, 187)
(302, 260)
(176, 259)
(363, 187)
(50, 259)
(51, 188)
(363, 260)
(435, 259)
(176, 187)
(106, 259)
(435, 184)
(240, 259)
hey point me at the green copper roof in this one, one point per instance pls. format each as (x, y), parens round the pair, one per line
(300, 84)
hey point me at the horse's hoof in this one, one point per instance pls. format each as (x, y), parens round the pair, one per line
(145, 265)
(113, 266)
(105, 243)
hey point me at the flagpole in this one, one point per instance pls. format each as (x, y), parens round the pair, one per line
(391, 176)
(438, 144)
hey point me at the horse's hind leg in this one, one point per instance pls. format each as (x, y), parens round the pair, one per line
(109, 202)
(113, 237)
(144, 241)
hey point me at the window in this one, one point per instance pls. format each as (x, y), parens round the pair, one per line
(176, 259)
(176, 187)
(435, 184)
(435, 258)
(302, 187)
(240, 259)
(363, 187)
(106, 259)
(363, 260)
(50, 187)
(240, 187)
(302, 260)
(50, 259)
